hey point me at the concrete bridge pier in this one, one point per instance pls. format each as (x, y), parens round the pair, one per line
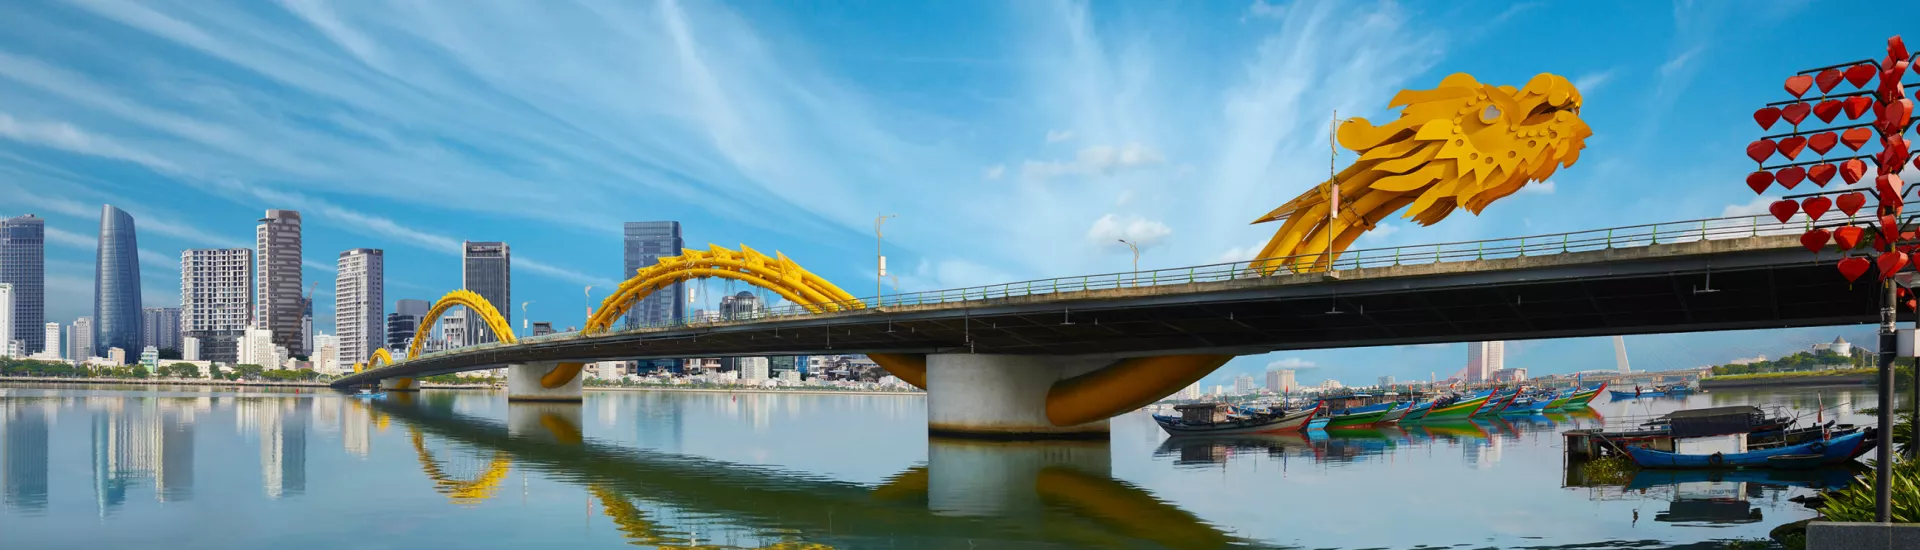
(971, 477)
(1040, 396)
(531, 381)
(399, 384)
(547, 422)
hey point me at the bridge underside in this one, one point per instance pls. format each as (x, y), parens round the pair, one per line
(1749, 283)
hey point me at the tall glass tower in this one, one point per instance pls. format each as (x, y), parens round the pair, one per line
(487, 270)
(116, 285)
(23, 253)
(646, 243)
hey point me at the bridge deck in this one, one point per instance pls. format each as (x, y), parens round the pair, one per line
(1756, 282)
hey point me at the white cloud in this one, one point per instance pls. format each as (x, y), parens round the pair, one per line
(1380, 232)
(1539, 188)
(1260, 9)
(1097, 160)
(1294, 363)
(1056, 136)
(1126, 196)
(994, 172)
(1590, 82)
(1242, 254)
(1142, 232)
(1679, 62)
(69, 238)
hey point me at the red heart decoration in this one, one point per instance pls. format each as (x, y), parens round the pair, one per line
(1853, 268)
(1890, 263)
(1889, 232)
(1854, 138)
(1790, 176)
(1783, 209)
(1826, 110)
(1852, 169)
(1859, 75)
(1916, 162)
(1759, 181)
(1768, 115)
(1827, 79)
(1821, 173)
(1898, 113)
(1791, 146)
(1795, 113)
(1815, 240)
(1823, 142)
(1846, 237)
(1760, 150)
(1816, 206)
(1889, 185)
(1797, 85)
(1856, 106)
(1851, 203)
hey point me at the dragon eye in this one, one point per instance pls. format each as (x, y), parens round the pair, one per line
(1492, 113)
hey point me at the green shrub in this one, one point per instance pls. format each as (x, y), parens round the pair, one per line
(1855, 503)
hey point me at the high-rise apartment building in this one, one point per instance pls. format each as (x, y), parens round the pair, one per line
(116, 285)
(277, 301)
(80, 340)
(404, 322)
(160, 328)
(7, 342)
(487, 270)
(453, 332)
(1483, 358)
(53, 350)
(190, 348)
(359, 304)
(1386, 381)
(23, 254)
(216, 300)
(646, 243)
(1281, 381)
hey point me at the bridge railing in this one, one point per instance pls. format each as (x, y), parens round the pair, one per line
(1466, 251)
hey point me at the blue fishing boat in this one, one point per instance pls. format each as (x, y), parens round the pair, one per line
(1838, 450)
(1527, 405)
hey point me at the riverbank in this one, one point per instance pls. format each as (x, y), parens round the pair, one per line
(192, 382)
(1780, 380)
(754, 390)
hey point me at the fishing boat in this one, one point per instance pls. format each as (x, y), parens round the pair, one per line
(1215, 419)
(1456, 410)
(1576, 400)
(1360, 417)
(1497, 404)
(1526, 405)
(1635, 394)
(1811, 454)
(1399, 412)
(1415, 413)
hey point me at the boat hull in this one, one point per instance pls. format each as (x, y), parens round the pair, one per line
(1417, 413)
(1457, 411)
(1281, 424)
(1838, 450)
(1360, 420)
(1579, 400)
(1496, 405)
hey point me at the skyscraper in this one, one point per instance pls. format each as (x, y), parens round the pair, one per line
(116, 284)
(23, 265)
(646, 243)
(360, 304)
(487, 270)
(52, 335)
(1281, 381)
(404, 322)
(160, 328)
(216, 300)
(1483, 358)
(80, 340)
(6, 322)
(277, 304)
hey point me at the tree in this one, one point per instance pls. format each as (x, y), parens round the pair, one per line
(248, 371)
(138, 371)
(180, 370)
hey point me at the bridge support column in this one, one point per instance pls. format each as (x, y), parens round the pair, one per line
(524, 384)
(1046, 396)
(545, 422)
(399, 384)
(970, 477)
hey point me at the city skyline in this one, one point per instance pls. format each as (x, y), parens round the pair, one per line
(1048, 159)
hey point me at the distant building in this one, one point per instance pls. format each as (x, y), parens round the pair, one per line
(278, 303)
(646, 243)
(1510, 375)
(453, 332)
(80, 340)
(23, 251)
(116, 285)
(1483, 358)
(51, 337)
(1838, 345)
(1386, 381)
(6, 320)
(404, 322)
(359, 304)
(740, 306)
(117, 357)
(216, 299)
(190, 349)
(1331, 384)
(1281, 381)
(160, 327)
(753, 368)
(1219, 390)
(1242, 384)
(1748, 360)
(542, 328)
(150, 357)
(487, 270)
(257, 348)
(1192, 392)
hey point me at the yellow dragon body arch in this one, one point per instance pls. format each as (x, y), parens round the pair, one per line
(775, 273)
(1461, 144)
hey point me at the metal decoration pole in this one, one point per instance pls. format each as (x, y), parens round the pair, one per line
(1136, 260)
(1889, 342)
(1333, 185)
(880, 259)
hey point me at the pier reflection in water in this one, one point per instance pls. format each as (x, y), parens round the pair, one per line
(108, 467)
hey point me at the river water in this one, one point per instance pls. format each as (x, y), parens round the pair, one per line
(88, 467)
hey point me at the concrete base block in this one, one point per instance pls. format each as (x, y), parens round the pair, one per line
(394, 384)
(547, 422)
(1003, 396)
(972, 477)
(523, 384)
(1827, 535)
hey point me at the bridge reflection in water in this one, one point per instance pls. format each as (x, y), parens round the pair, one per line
(1022, 493)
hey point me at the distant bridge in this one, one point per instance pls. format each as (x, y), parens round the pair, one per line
(1700, 275)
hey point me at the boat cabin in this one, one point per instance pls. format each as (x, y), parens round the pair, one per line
(1740, 419)
(1203, 412)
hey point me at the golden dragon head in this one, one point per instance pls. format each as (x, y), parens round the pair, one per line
(1462, 143)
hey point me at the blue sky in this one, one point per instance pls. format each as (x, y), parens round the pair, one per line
(1015, 140)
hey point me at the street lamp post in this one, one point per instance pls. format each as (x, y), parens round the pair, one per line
(589, 293)
(523, 318)
(1136, 260)
(878, 286)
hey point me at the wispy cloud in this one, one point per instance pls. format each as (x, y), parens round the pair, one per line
(1294, 363)
(1591, 82)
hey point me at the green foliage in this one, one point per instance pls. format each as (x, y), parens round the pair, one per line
(180, 370)
(247, 371)
(1798, 362)
(1614, 470)
(1793, 374)
(30, 367)
(1855, 503)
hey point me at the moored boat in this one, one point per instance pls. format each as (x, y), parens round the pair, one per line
(1838, 450)
(1497, 404)
(1360, 417)
(1212, 419)
(1399, 412)
(1457, 410)
(1578, 400)
(1417, 412)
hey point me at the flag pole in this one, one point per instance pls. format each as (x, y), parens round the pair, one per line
(1333, 183)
